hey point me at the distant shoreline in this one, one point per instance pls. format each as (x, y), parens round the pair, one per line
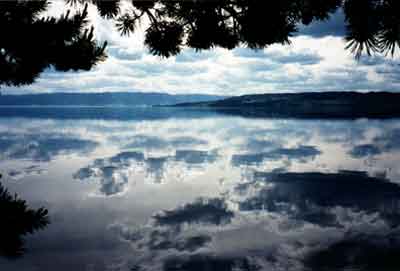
(324, 105)
(102, 99)
(311, 105)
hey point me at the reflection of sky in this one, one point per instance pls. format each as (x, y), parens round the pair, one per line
(226, 192)
(41, 146)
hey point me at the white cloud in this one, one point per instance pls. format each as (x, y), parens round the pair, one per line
(308, 64)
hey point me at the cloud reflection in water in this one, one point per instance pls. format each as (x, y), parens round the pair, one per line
(267, 195)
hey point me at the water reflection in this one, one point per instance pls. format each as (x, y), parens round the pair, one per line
(18, 220)
(153, 142)
(320, 198)
(25, 171)
(301, 153)
(206, 211)
(209, 262)
(208, 193)
(358, 253)
(115, 172)
(41, 146)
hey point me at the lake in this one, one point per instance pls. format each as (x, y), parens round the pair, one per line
(180, 189)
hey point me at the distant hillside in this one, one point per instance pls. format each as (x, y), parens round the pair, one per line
(309, 105)
(102, 99)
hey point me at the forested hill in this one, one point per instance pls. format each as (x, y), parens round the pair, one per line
(315, 104)
(102, 99)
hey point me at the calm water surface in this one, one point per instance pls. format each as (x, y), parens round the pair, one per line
(163, 189)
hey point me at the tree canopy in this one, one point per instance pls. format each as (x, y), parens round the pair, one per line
(17, 221)
(33, 43)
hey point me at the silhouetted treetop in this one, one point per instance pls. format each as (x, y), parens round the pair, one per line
(204, 24)
(67, 43)
(17, 221)
(31, 43)
(372, 25)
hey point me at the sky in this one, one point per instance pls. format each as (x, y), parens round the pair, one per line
(316, 60)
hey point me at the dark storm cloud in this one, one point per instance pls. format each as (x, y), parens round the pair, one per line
(334, 26)
(311, 197)
(202, 211)
(42, 147)
(300, 153)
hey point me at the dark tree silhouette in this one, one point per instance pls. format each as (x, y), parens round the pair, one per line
(33, 44)
(17, 220)
(30, 44)
(373, 26)
(204, 24)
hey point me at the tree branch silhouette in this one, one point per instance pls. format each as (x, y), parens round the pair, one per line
(33, 44)
(18, 220)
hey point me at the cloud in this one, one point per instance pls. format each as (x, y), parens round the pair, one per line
(195, 157)
(334, 26)
(114, 173)
(191, 55)
(17, 174)
(372, 60)
(302, 58)
(389, 141)
(125, 54)
(208, 262)
(365, 150)
(307, 65)
(203, 211)
(254, 144)
(301, 153)
(358, 252)
(42, 147)
(154, 142)
(313, 197)
(390, 72)
(315, 61)
(167, 240)
(248, 53)
(278, 56)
